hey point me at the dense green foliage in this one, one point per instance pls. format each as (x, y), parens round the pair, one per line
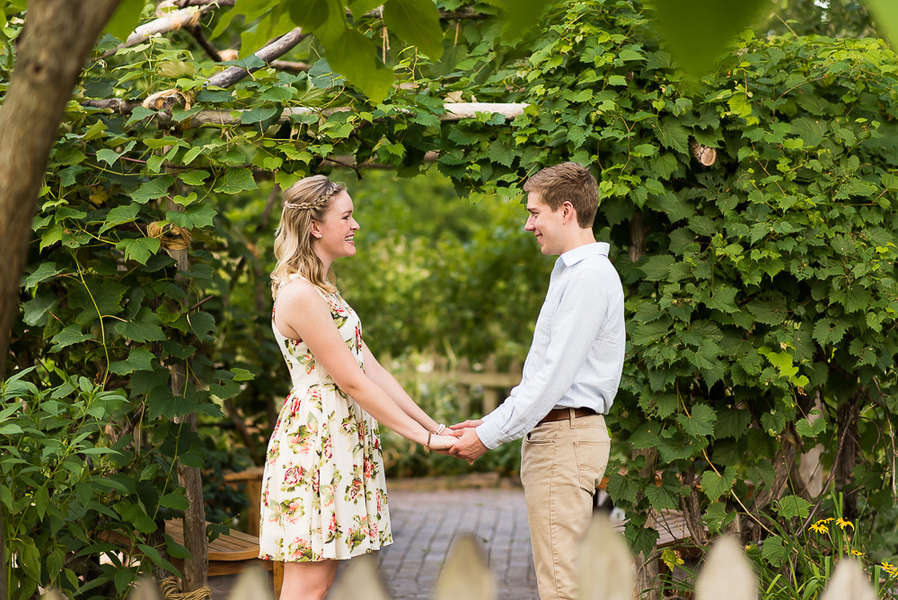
(767, 282)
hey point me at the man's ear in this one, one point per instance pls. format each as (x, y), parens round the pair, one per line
(568, 212)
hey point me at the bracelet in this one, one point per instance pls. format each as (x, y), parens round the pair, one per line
(427, 445)
(439, 429)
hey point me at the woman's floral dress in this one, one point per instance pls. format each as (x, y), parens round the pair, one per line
(323, 491)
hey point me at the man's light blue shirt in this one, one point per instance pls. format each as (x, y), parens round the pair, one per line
(577, 354)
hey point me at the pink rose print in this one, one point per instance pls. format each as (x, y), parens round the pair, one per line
(293, 475)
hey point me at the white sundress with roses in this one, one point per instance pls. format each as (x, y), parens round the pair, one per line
(323, 490)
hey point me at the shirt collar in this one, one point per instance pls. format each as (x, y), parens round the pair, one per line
(572, 257)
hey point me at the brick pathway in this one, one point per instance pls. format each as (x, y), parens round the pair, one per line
(427, 516)
(425, 523)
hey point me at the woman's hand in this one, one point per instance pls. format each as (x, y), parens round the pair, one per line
(441, 443)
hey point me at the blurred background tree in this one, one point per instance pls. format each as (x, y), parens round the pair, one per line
(830, 18)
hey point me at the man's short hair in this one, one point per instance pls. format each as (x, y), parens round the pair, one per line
(569, 182)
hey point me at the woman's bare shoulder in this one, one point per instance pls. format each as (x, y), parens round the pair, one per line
(299, 293)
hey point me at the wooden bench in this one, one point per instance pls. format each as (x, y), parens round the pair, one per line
(252, 479)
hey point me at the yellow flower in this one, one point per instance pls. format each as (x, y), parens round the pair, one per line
(843, 523)
(819, 527)
(856, 553)
(889, 568)
(829, 520)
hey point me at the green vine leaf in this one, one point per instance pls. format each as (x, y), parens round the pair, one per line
(714, 485)
(68, 336)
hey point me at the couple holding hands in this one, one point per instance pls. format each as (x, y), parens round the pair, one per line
(324, 497)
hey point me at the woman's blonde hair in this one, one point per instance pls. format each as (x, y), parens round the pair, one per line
(306, 200)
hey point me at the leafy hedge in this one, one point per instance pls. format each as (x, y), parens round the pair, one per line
(763, 290)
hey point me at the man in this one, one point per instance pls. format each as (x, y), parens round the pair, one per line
(570, 378)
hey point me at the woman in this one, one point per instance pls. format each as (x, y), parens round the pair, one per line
(323, 494)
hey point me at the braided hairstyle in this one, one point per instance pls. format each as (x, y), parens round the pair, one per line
(306, 200)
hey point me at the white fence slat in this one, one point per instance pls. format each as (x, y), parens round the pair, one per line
(253, 583)
(146, 589)
(606, 565)
(465, 573)
(360, 581)
(726, 574)
(849, 582)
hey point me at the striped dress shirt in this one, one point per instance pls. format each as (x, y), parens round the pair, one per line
(577, 354)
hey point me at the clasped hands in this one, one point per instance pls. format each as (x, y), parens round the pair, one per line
(467, 445)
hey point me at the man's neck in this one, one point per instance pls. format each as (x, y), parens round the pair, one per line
(579, 237)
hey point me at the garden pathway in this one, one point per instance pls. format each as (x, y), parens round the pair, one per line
(426, 521)
(428, 515)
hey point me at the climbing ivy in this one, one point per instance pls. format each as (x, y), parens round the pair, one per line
(766, 294)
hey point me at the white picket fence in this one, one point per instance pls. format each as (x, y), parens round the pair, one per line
(606, 573)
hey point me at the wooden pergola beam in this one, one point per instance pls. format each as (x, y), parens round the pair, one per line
(455, 111)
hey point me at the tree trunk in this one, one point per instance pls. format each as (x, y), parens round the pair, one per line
(691, 507)
(782, 464)
(844, 468)
(196, 569)
(51, 52)
(647, 564)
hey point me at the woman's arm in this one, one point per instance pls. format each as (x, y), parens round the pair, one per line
(304, 314)
(388, 383)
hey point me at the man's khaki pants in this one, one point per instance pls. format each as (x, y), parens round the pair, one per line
(562, 464)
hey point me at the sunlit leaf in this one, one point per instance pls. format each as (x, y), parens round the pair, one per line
(309, 14)
(886, 13)
(272, 25)
(521, 15)
(418, 23)
(355, 57)
(698, 32)
(125, 18)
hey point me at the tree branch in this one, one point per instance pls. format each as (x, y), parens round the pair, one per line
(172, 21)
(279, 47)
(455, 111)
(290, 67)
(196, 31)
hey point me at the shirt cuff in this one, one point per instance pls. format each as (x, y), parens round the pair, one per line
(489, 433)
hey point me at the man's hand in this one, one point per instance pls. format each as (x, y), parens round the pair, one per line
(468, 446)
(466, 424)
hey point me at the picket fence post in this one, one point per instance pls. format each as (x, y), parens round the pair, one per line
(606, 573)
(726, 574)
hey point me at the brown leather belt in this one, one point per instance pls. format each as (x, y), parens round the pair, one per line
(560, 414)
